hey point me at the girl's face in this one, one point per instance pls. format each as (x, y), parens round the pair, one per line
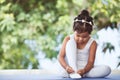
(81, 37)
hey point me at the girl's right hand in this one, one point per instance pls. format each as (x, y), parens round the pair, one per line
(69, 69)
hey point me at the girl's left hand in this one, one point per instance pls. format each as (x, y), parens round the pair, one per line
(81, 72)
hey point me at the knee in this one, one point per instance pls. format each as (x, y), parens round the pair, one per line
(99, 71)
(106, 69)
(71, 44)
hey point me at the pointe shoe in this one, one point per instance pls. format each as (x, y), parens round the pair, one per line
(75, 75)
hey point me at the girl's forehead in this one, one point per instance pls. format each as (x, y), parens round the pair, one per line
(81, 34)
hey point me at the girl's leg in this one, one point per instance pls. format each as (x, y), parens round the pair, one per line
(71, 55)
(99, 71)
(71, 51)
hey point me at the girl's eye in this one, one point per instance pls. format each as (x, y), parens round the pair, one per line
(78, 36)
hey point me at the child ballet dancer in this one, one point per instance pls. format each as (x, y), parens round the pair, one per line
(77, 54)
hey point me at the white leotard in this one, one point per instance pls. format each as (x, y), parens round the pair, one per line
(83, 54)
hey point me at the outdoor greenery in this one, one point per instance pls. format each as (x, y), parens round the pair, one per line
(46, 22)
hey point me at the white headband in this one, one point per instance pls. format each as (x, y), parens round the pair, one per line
(83, 21)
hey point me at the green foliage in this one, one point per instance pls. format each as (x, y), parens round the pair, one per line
(108, 46)
(44, 21)
(106, 13)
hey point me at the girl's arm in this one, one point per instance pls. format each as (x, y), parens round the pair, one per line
(61, 57)
(91, 59)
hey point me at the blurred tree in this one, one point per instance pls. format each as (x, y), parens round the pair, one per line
(46, 22)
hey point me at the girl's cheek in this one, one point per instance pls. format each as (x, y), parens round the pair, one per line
(77, 40)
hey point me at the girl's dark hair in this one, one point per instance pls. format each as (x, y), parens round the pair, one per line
(83, 26)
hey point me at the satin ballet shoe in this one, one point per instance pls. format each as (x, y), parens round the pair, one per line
(75, 75)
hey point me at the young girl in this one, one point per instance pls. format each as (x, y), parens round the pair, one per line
(78, 51)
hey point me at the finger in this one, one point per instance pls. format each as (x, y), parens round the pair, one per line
(71, 70)
(79, 72)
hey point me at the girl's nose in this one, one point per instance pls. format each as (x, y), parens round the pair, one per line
(80, 39)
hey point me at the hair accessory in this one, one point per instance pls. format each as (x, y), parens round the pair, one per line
(83, 21)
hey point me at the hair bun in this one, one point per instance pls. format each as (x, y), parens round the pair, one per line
(84, 12)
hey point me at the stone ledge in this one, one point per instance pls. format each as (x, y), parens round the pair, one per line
(41, 74)
(27, 71)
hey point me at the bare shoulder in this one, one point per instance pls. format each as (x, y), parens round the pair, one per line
(94, 44)
(62, 51)
(65, 41)
(66, 38)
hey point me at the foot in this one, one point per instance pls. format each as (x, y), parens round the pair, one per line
(75, 75)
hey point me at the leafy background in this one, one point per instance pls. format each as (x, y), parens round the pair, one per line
(45, 23)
